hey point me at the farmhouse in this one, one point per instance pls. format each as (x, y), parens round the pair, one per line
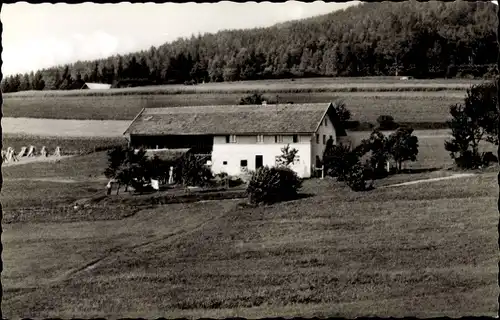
(239, 138)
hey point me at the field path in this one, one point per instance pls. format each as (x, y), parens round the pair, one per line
(455, 176)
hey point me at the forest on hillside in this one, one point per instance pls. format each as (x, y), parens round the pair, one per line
(421, 39)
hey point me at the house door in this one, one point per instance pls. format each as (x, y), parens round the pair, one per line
(259, 161)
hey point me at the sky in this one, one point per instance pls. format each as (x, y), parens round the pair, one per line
(37, 36)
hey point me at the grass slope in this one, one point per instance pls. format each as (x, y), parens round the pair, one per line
(42, 185)
(421, 251)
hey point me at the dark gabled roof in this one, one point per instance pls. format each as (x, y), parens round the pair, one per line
(234, 119)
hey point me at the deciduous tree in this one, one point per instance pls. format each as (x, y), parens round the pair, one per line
(402, 146)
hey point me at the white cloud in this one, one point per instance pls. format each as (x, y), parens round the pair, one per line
(98, 44)
(43, 53)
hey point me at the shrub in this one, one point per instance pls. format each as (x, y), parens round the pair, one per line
(487, 158)
(221, 176)
(468, 160)
(160, 169)
(255, 98)
(128, 167)
(133, 170)
(194, 172)
(386, 122)
(356, 177)
(235, 181)
(224, 180)
(116, 157)
(269, 185)
(338, 159)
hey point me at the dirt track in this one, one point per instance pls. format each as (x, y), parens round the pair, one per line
(455, 176)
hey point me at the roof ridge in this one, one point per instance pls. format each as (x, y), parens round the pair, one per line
(249, 106)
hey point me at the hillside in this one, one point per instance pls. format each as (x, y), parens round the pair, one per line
(419, 39)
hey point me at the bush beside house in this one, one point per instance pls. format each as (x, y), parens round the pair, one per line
(269, 185)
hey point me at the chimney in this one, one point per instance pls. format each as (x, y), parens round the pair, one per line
(264, 103)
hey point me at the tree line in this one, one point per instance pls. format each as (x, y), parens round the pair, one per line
(419, 39)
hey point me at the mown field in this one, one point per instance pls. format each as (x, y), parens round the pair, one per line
(305, 85)
(365, 107)
(69, 145)
(422, 250)
(422, 103)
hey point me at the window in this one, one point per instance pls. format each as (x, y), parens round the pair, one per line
(231, 139)
(243, 163)
(324, 139)
(331, 137)
(260, 138)
(317, 138)
(278, 139)
(295, 138)
(224, 162)
(326, 122)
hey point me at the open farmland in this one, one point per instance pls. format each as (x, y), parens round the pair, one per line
(217, 259)
(431, 151)
(69, 145)
(307, 85)
(366, 107)
(64, 127)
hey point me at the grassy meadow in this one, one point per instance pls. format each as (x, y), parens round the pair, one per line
(304, 85)
(365, 107)
(422, 250)
(367, 98)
